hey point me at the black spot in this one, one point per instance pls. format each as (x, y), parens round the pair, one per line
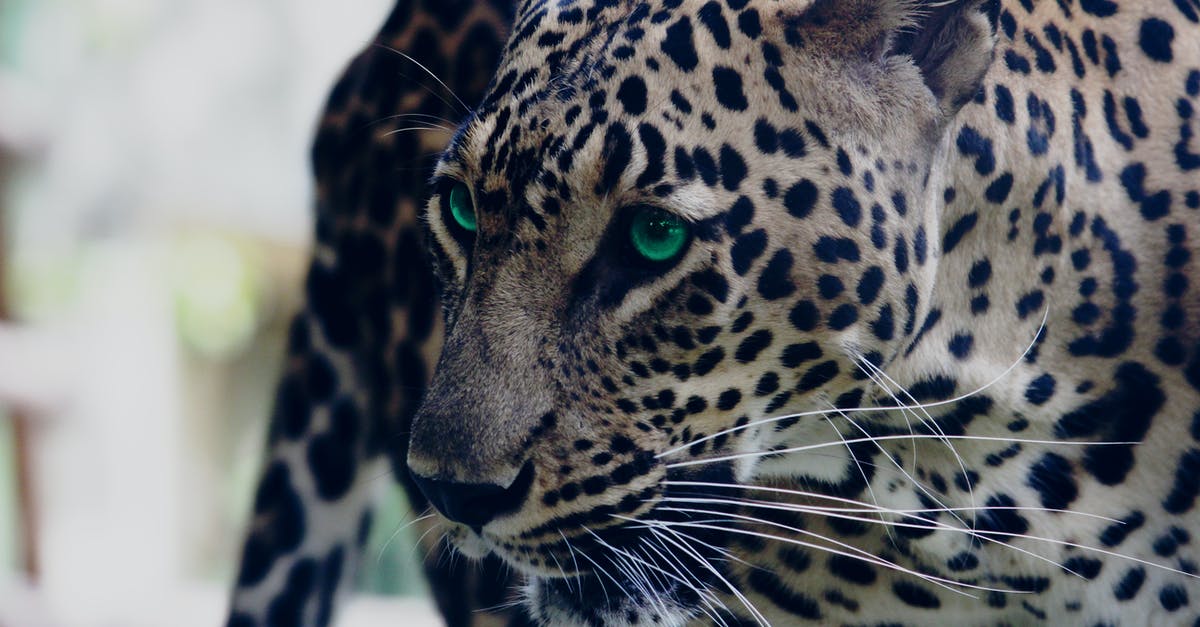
(770, 586)
(884, 326)
(829, 286)
(900, 255)
(1099, 8)
(847, 206)
(1187, 484)
(971, 143)
(1029, 303)
(1155, 38)
(792, 143)
(710, 16)
(292, 410)
(679, 47)
(959, 229)
(998, 518)
(328, 294)
(656, 155)
(706, 166)
(962, 561)
(331, 574)
(804, 316)
(817, 376)
(765, 136)
(632, 95)
(1053, 478)
(775, 281)
(998, 191)
(843, 161)
(915, 595)
(331, 456)
(795, 354)
(728, 85)
(752, 345)
(800, 198)
(746, 248)
(733, 168)
(1172, 597)
(853, 570)
(767, 384)
(278, 506)
(1122, 415)
(1027, 584)
(1004, 104)
(1130, 584)
(843, 316)
(869, 285)
(1116, 533)
(739, 215)
(287, 609)
(834, 249)
(960, 345)
(618, 150)
(729, 399)
(749, 23)
(709, 360)
(1040, 389)
(1016, 62)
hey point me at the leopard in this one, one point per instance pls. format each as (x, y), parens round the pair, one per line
(752, 312)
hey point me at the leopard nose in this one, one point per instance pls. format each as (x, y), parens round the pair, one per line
(476, 504)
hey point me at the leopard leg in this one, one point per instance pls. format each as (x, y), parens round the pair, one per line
(361, 350)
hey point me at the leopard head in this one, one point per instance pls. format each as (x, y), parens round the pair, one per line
(671, 230)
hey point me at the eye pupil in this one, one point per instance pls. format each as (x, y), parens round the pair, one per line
(658, 235)
(462, 208)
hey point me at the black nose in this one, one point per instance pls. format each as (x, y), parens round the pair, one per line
(476, 504)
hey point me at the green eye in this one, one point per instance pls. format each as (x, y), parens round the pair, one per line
(462, 208)
(658, 235)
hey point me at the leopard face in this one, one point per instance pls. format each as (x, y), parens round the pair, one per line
(779, 158)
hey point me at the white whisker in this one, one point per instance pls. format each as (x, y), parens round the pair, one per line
(951, 401)
(430, 73)
(810, 447)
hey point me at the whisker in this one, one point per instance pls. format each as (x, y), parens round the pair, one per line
(682, 544)
(886, 510)
(600, 570)
(851, 552)
(571, 552)
(404, 526)
(809, 447)
(985, 535)
(933, 425)
(426, 117)
(951, 401)
(891, 523)
(702, 590)
(913, 437)
(863, 473)
(430, 73)
(416, 128)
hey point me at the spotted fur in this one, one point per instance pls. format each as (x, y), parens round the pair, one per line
(931, 354)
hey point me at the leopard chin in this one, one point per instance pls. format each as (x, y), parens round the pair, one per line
(618, 601)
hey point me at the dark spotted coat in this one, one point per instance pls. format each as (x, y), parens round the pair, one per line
(931, 354)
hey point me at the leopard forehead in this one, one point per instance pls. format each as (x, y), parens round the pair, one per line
(571, 104)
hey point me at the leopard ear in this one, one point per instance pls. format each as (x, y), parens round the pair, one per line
(952, 43)
(949, 41)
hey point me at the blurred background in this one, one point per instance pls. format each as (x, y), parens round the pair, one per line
(154, 227)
